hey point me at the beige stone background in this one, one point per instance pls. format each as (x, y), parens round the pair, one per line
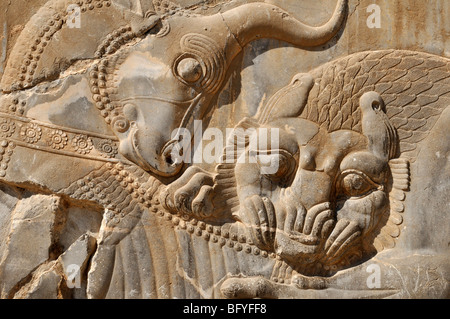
(405, 24)
(267, 65)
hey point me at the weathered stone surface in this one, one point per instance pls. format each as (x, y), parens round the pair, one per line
(30, 239)
(43, 284)
(78, 254)
(224, 149)
(74, 262)
(9, 198)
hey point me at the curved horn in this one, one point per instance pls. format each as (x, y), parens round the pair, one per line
(261, 20)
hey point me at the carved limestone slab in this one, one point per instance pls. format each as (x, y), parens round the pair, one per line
(224, 149)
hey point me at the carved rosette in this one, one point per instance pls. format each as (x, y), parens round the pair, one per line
(57, 139)
(7, 127)
(82, 144)
(30, 133)
(107, 148)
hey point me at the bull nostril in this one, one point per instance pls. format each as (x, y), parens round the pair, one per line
(120, 124)
(172, 153)
(169, 160)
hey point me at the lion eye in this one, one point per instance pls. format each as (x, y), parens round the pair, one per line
(278, 165)
(355, 184)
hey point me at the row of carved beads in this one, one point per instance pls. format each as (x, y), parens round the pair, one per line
(6, 151)
(31, 59)
(54, 24)
(92, 4)
(215, 234)
(167, 8)
(219, 235)
(143, 194)
(114, 41)
(13, 106)
(100, 95)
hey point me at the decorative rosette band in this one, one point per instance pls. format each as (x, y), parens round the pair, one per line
(51, 138)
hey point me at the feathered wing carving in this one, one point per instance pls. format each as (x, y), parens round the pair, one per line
(224, 180)
(414, 85)
(392, 222)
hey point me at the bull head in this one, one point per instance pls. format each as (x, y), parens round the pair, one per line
(167, 82)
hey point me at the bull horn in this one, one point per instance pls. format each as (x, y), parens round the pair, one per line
(261, 20)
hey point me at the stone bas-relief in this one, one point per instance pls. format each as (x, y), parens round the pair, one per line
(98, 201)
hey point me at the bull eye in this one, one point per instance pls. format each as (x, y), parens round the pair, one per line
(355, 184)
(189, 69)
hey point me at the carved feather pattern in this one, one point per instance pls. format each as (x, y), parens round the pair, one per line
(414, 85)
(225, 181)
(392, 224)
(416, 89)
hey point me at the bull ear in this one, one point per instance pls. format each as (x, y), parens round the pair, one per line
(380, 133)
